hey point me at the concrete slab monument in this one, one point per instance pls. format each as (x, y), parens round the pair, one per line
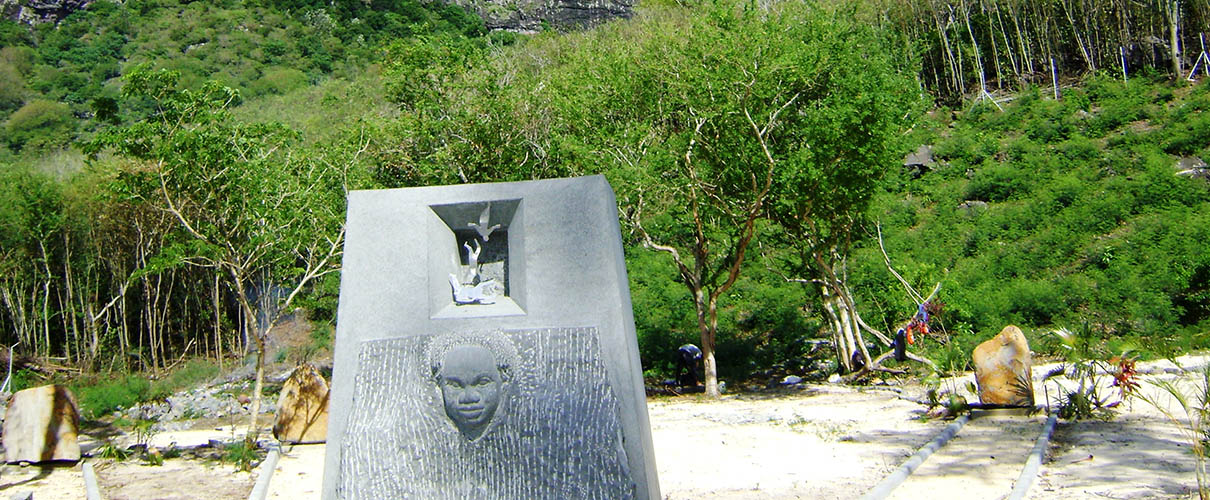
(486, 349)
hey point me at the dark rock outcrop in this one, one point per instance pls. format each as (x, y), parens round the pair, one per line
(40, 11)
(919, 162)
(536, 15)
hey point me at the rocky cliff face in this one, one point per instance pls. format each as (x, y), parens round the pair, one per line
(511, 15)
(39, 11)
(535, 15)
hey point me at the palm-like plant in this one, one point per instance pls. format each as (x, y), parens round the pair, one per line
(1193, 399)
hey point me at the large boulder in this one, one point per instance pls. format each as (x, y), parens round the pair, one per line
(302, 407)
(42, 425)
(1002, 369)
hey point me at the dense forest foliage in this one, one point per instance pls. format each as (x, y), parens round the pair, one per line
(173, 173)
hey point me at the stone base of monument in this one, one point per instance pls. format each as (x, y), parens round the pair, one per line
(42, 425)
(978, 411)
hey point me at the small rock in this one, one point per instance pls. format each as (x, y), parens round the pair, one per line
(834, 378)
(24, 495)
(1193, 167)
(972, 207)
(923, 156)
(791, 380)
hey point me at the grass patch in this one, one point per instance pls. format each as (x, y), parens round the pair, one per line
(99, 395)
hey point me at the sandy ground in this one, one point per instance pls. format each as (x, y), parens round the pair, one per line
(822, 442)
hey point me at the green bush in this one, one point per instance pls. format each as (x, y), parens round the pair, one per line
(194, 372)
(278, 81)
(1049, 128)
(1189, 137)
(99, 397)
(998, 182)
(968, 147)
(40, 124)
(12, 88)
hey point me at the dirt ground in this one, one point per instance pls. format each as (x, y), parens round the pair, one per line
(825, 441)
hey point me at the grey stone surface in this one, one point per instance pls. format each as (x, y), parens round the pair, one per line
(536, 393)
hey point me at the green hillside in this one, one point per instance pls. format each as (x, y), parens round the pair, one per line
(1060, 213)
(1046, 213)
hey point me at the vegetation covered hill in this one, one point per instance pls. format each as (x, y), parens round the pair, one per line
(182, 228)
(1061, 212)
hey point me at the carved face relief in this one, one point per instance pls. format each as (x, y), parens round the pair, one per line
(471, 385)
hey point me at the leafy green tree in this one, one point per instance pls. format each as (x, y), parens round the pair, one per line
(245, 206)
(833, 160)
(694, 114)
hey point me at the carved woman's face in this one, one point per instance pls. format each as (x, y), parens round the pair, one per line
(471, 385)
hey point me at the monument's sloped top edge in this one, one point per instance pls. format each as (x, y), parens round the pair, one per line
(487, 188)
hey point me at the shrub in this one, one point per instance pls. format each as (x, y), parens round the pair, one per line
(1049, 128)
(971, 148)
(194, 372)
(12, 87)
(278, 81)
(40, 124)
(1188, 138)
(997, 182)
(103, 396)
(244, 454)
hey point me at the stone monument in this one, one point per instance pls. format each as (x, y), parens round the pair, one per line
(302, 407)
(486, 349)
(1003, 369)
(42, 425)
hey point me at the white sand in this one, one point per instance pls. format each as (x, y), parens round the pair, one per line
(824, 442)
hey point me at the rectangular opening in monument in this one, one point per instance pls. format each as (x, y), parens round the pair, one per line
(492, 262)
(475, 268)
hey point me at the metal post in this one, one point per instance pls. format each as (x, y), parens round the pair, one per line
(1122, 52)
(1054, 77)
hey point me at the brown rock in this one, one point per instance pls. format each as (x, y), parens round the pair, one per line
(1002, 369)
(41, 425)
(302, 407)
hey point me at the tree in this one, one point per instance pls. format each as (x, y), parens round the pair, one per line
(849, 137)
(267, 219)
(692, 113)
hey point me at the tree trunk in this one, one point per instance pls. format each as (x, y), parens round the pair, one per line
(218, 332)
(839, 341)
(1174, 21)
(708, 326)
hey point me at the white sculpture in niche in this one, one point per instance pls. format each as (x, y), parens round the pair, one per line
(473, 289)
(472, 261)
(481, 227)
(482, 293)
